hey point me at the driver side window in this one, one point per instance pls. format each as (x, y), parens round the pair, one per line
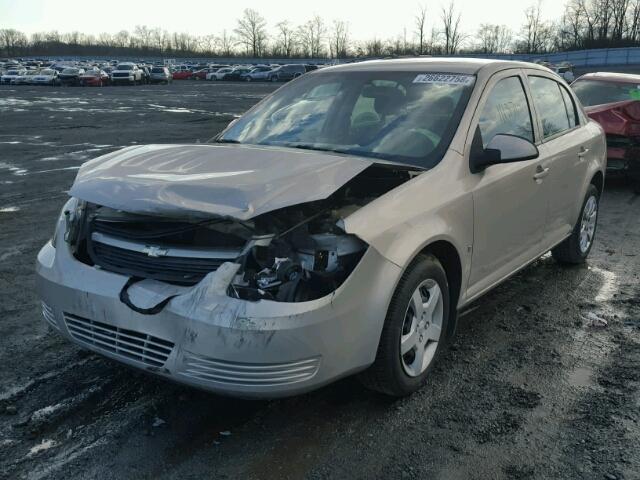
(506, 111)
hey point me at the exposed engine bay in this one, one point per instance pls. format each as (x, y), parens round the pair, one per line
(292, 254)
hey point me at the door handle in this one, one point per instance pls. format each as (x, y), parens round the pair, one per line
(583, 151)
(541, 172)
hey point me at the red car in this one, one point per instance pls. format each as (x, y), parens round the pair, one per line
(201, 74)
(94, 78)
(613, 100)
(182, 74)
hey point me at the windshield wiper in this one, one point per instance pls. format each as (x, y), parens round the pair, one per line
(306, 146)
(227, 140)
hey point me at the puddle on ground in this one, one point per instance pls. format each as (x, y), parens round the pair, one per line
(9, 209)
(609, 285)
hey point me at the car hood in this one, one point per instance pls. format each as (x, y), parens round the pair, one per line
(237, 181)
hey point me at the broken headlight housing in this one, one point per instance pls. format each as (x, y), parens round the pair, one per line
(73, 215)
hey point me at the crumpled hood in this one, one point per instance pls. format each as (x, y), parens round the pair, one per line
(238, 181)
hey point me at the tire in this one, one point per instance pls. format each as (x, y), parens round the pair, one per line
(274, 78)
(393, 373)
(575, 249)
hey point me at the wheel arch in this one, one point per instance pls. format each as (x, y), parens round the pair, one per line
(598, 181)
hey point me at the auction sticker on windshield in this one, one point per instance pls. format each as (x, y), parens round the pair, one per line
(445, 78)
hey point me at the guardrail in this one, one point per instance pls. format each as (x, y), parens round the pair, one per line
(578, 58)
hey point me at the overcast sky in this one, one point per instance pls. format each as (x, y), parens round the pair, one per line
(200, 17)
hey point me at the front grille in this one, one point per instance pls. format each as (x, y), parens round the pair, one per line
(181, 270)
(121, 342)
(121, 74)
(247, 374)
(49, 316)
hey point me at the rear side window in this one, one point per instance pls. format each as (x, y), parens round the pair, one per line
(570, 105)
(550, 105)
(506, 111)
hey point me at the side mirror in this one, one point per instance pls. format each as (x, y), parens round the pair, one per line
(503, 148)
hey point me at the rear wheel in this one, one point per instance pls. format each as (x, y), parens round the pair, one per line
(575, 249)
(414, 330)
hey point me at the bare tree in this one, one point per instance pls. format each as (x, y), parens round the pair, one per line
(494, 38)
(633, 22)
(535, 31)
(226, 43)
(251, 31)
(12, 40)
(421, 19)
(451, 29)
(619, 10)
(339, 41)
(312, 37)
(286, 41)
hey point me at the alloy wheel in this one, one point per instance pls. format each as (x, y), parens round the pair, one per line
(588, 223)
(422, 328)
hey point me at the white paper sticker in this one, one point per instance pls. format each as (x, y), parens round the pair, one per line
(445, 79)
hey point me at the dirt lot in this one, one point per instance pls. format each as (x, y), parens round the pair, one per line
(528, 389)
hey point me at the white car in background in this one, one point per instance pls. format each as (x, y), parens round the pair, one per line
(48, 76)
(24, 79)
(219, 74)
(126, 72)
(8, 77)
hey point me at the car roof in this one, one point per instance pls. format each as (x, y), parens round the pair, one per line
(610, 77)
(437, 64)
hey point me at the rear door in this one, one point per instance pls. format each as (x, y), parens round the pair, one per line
(509, 204)
(565, 148)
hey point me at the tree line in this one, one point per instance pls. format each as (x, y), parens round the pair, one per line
(585, 24)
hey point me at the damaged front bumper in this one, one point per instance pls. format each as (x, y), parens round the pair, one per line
(207, 339)
(623, 156)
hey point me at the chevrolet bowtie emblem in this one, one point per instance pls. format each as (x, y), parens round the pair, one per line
(155, 251)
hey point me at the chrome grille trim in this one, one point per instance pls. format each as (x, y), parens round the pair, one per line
(247, 374)
(49, 316)
(125, 343)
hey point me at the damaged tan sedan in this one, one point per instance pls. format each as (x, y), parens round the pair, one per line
(336, 228)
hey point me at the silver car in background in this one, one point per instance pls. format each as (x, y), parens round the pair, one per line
(160, 75)
(336, 228)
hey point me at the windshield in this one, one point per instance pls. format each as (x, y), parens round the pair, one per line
(124, 67)
(48, 72)
(595, 92)
(70, 70)
(407, 117)
(13, 72)
(157, 70)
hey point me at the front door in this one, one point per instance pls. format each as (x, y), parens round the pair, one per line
(509, 204)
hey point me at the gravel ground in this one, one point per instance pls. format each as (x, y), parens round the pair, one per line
(528, 389)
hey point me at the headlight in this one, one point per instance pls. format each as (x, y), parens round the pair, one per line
(73, 218)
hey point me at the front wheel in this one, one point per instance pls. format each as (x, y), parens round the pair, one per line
(575, 249)
(274, 79)
(414, 330)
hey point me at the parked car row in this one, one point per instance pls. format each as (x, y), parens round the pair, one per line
(136, 73)
(247, 73)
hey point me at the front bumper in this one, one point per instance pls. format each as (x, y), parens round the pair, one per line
(123, 79)
(250, 349)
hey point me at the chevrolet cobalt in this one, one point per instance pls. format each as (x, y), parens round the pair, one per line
(336, 228)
